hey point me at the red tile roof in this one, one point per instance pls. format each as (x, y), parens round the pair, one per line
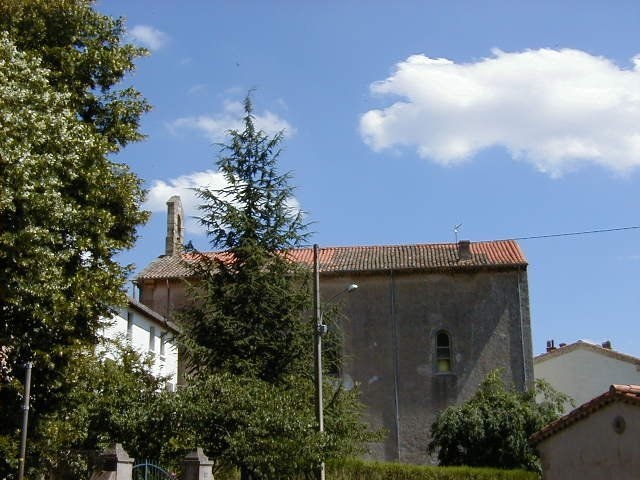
(616, 393)
(435, 256)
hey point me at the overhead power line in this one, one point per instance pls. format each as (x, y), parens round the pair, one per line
(571, 234)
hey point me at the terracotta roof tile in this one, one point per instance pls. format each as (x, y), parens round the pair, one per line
(623, 393)
(442, 256)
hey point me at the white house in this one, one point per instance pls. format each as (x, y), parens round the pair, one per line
(584, 370)
(149, 332)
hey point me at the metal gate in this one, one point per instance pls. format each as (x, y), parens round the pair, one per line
(148, 470)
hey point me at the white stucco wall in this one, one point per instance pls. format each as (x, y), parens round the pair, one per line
(159, 345)
(583, 373)
(591, 449)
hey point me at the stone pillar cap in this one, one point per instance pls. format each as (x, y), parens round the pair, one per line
(117, 451)
(197, 456)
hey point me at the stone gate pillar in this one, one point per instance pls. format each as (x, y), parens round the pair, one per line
(115, 464)
(197, 466)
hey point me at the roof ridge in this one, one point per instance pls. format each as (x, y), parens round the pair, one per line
(625, 357)
(396, 245)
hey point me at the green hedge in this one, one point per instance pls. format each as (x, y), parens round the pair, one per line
(362, 470)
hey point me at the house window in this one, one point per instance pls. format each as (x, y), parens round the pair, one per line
(129, 325)
(162, 346)
(443, 352)
(152, 339)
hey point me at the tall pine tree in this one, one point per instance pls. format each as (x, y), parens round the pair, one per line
(247, 327)
(247, 317)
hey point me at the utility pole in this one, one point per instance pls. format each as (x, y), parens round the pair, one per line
(317, 350)
(319, 330)
(25, 420)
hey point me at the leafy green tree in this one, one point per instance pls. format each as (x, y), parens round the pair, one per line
(245, 333)
(110, 397)
(66, 207)
(267, 429)
(493, 427)
(85, 56)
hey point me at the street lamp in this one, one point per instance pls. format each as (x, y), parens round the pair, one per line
(320, 331)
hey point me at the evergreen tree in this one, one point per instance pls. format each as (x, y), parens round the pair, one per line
(246, 317)
(247, 327)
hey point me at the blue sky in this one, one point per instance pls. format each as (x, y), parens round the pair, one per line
(403, 119)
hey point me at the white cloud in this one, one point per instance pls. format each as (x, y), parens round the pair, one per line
(215, 127)
(148, 36)
(557, 109)
(183, 186)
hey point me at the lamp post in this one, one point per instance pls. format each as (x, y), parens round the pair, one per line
(319, 331)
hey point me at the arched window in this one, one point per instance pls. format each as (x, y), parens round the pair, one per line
(443, 352)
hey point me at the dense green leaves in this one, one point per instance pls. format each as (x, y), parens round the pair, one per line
(66, 207)
(247, 319)
(111, 397)
(493, 427)
(84, 53)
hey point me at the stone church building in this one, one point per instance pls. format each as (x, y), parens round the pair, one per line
(426, 325)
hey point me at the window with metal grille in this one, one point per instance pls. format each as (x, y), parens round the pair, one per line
(162, 346)
(443, 352)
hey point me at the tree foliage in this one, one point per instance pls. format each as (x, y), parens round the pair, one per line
(267, 429)
(247, 331)
(112, 396)
(67, 208)
(246, 314)
(85, 56)
(493, 427)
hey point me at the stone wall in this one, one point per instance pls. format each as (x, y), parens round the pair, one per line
(390, 346)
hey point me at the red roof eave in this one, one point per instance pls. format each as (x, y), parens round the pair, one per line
(624, 393)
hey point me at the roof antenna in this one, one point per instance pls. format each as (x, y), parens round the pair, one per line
(455, 231)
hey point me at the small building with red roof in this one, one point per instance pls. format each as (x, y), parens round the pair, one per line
(597, 440)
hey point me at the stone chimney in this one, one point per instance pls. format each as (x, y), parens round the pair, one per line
(464, 250)
(175, 227)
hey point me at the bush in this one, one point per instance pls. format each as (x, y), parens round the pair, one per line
(492, 428)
